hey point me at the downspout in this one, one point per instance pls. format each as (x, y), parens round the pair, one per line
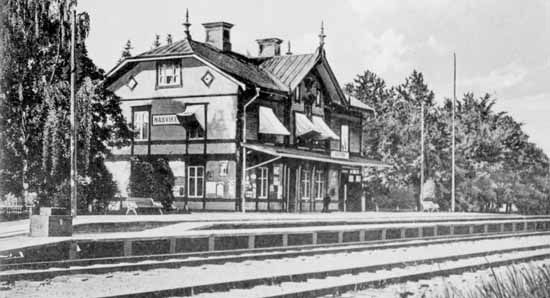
(243, 174)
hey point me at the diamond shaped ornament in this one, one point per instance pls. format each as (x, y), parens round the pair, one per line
(207, 78)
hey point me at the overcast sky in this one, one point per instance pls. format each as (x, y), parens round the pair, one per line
(502, 46)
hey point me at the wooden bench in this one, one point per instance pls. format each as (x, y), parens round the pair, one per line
(134, 203)
(429, 206)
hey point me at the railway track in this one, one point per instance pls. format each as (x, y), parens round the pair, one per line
(311, 274)
(46, 270)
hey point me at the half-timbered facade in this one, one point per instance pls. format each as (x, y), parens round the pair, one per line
(271, 133)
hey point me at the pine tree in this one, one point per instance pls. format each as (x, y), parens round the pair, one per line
(126, 51)
(156, 42)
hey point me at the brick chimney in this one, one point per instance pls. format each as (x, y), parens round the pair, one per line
(218, 34)
(269, 47)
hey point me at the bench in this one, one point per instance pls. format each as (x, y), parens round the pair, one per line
(429, 206)
(134, 203)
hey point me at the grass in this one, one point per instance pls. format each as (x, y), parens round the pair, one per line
(516, 281)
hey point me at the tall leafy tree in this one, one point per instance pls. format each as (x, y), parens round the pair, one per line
(34, 98)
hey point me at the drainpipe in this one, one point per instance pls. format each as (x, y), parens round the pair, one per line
(243, 174)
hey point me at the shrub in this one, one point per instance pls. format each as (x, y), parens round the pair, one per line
(164, 182)
(141, 179)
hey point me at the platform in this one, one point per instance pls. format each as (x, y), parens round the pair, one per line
(201, 231)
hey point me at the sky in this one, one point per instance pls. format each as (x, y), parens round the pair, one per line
(502, 46)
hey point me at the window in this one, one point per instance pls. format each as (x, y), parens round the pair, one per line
(318, 97)
(297, 94)
(344, 138)
(141, 125)
(305, 185)
(168, 73)
(178, 169)
(195, 132)
(263, 175)
(195, 181)
(319, 184)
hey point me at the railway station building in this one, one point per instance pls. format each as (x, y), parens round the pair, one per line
(205, 108)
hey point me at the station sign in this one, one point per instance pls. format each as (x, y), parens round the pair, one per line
(165, 119)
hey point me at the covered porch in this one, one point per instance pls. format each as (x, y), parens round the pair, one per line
(296, 180)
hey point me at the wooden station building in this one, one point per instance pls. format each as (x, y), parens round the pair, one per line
(192, 102)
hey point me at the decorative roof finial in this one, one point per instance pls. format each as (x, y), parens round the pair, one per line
(288, 52)
(322, 35)
(186, 24)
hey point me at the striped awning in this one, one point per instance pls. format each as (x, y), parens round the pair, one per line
(270, 124)
(192, 115)
(304, 127)
(326, 132)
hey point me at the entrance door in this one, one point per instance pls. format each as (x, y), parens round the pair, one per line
(343, 192)
(354, 197)
(291, 186)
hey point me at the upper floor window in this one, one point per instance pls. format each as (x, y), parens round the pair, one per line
(318, 97)
(168, 73)
(141, 125)
(344, 138)
(297, 94)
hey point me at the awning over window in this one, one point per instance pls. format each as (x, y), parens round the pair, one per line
(193, 114)
(304, 127)
(270, 124)
(326, 132)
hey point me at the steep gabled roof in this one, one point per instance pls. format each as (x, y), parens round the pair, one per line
(181, 47)
(278, 73)
(290, 69)
(238, 66)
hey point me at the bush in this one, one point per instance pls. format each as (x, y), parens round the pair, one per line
(152, 180)
(141, 179)
(164, 183)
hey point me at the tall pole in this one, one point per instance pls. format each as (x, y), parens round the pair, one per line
(421, 153)
(453, 138)
(73, 120)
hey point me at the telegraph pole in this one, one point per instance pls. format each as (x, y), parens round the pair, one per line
(421, 152)
(453, 136)
(74, 125)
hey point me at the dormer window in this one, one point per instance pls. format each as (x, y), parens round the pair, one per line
(168, 73)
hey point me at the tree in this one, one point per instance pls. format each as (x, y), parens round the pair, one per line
(126, 51)
(156, 42)
(164, 183)
(35, 106)
(142, 183)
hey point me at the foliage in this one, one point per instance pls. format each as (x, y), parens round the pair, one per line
(156, 42)
(126, 51)
(152, 179)
(141, 179)
(164, 183)
(34, 102)
(496, 164)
